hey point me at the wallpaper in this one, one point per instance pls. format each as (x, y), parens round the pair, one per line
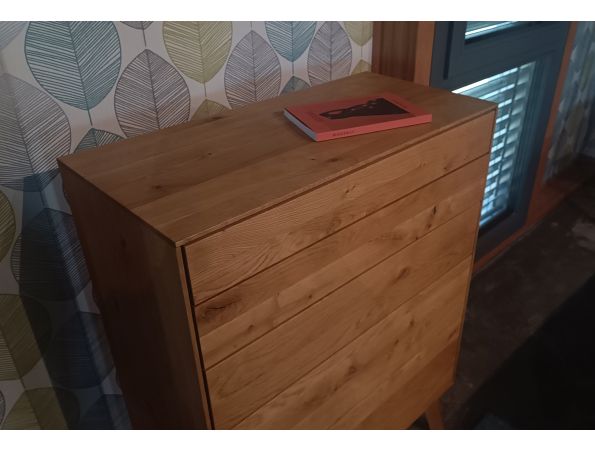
(71, 86)
(574, 131)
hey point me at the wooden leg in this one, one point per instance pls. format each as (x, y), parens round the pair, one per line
(434, 416)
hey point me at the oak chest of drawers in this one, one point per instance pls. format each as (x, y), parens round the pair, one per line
(251, 278)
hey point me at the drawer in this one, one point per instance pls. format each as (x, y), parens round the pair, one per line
(413, 395)
(225, 258)
(238, 316)
(354, 382)
(251, 377)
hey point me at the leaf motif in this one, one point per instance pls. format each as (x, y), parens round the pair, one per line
(360, 32)
(198, 49)
(7, 225)
(43, 408)
(34, 132)
(295, 84)
(21, 416)
(329, 57)
(108, 412)
(138, 25)
(8, 31)
(76, 62)
(78, 356)
(47, 259)
(96, 138)
(290, 39)
(25, 329)
(362, 66)
(253, 72)
(207, 109)
(150, 95)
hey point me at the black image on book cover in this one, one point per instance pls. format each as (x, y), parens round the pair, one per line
(376, 107)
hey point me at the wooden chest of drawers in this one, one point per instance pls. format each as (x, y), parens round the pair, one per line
(251, 278)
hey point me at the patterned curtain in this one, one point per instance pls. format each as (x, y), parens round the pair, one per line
(574, 131)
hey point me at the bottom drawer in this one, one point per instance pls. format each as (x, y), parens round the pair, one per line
(355, 382)
(413, 397)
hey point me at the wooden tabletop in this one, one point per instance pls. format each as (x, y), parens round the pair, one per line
(193, 179)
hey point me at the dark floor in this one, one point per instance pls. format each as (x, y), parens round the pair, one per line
(534, 289)
(549, 382)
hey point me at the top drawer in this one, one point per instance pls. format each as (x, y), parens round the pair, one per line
(228, 257)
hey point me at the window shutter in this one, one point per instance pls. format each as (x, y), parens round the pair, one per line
(510, 89)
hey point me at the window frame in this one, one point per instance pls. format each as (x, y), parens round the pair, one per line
(457, 62)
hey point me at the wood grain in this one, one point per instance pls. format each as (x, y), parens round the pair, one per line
(240, 315)
(394, 45)
(424, 47)
(224, 259)
(403, 407)
(139, 286)
(189, 181)
(404, 50)
(251, 377)
(250, 277)
(349, 386)
(434, 416)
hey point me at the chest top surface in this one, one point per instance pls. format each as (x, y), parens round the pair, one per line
(191, 180)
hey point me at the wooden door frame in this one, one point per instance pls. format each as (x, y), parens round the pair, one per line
(403, 50)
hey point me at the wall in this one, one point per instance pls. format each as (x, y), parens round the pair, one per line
(574, 131)
(72, 86)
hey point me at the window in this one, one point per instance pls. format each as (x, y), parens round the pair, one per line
(514, 64)
(476, 29)
(510, 89)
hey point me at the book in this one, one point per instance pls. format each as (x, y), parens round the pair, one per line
(348, 117)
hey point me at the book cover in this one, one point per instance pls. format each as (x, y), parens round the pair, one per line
(348, 117)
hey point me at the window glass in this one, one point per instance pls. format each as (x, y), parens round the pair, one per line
(475, 29)
(510, 89)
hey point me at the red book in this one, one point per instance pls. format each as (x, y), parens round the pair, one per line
(332, 120)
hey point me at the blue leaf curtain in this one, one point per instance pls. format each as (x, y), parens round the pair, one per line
(574, 131)
(73, 86)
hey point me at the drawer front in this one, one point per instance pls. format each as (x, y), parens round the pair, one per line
(354, 382)
(249, 378)
(240, 315)
(225, 258)
(413, 395)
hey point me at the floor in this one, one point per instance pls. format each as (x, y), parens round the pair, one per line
(549, 382)
(513, 299)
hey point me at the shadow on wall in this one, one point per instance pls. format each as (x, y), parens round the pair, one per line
(49, 322)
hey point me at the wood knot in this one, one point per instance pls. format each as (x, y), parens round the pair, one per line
(402, 274)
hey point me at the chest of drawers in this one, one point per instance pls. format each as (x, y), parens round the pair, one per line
(250, 278)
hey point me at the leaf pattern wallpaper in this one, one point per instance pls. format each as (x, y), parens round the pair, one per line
(330, 54)
(150, 95)
(253, 71)
(67, 87)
